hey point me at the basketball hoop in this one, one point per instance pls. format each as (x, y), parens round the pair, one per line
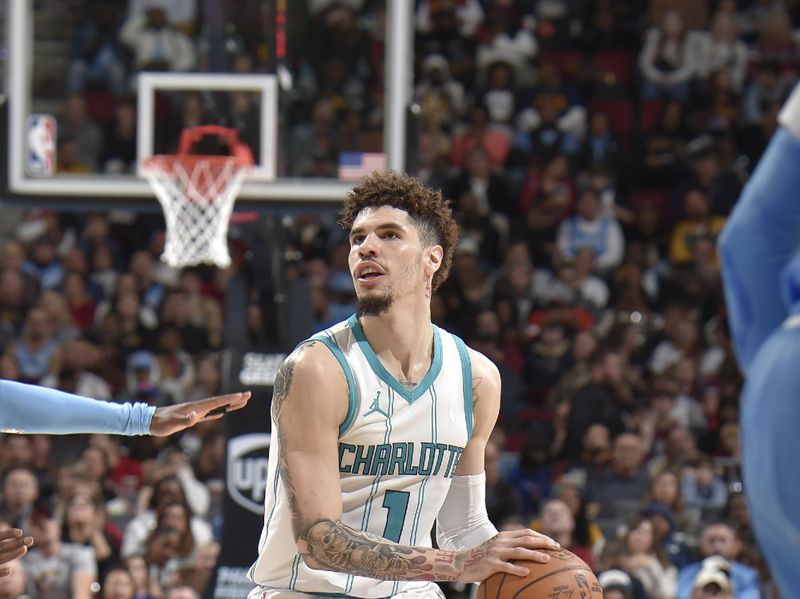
(197, 193)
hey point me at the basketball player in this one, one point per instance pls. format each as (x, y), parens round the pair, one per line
(31, 409)
(760, 248)
(379, 427)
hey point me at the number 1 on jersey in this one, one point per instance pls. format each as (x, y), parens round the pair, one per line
(396, 502)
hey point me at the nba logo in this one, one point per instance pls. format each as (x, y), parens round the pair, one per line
(41, 145)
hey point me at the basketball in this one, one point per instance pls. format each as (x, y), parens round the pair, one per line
(565, 575)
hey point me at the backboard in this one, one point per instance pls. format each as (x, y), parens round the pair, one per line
(31, 29)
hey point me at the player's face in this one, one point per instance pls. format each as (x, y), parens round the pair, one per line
(387, 259)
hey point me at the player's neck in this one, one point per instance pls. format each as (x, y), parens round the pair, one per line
(402, 338)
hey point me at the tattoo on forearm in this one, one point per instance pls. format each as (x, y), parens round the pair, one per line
(335, 546)
(283, 382)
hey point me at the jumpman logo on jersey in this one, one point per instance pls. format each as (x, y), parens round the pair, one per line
(376, 407)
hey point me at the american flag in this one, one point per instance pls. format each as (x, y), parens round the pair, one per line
(355, 165)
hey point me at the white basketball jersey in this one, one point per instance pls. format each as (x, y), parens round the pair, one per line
(398, 449)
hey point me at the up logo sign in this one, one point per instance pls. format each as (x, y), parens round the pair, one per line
(247, 469)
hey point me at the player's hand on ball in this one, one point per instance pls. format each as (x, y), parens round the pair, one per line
(498, 553)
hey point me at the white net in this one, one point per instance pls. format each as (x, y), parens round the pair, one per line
(197, 194)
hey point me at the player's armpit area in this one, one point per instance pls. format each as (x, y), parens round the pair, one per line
(331, 545)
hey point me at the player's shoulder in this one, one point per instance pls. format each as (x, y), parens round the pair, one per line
(483, 367)
(312, 359)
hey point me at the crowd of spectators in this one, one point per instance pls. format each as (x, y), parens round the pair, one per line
(592, 151)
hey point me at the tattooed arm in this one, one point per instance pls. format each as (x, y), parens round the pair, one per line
(308, 405)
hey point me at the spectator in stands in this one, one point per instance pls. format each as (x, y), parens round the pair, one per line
(79, 303)
(619, 490)
(479, 133)
(75, 126)
(644, 558)
(508, 36)
(722, 49)
(590, 228)
(667, 535)
(616, 584)
(85, 524)
(155, 43)
(766, 89)
(75, 376)
(533, 474)
(545, 200)
(441, 97)
(502, 498)
(57, 570)
(182, 592)
(711, 582)
(704, 490)
(37, 353)
(175, 366)
(20, 493)
(666, 60)
(776, 40)
(557, 521)
(118, 584)
(165, 490)
(597, 401)
(663, 147)
(698, 223)
(145, 587)
(316, 137)
(95, 57)
(55, 304)
(665, 489)
(599, 147)
(161, 552)
(720, 548)
(467, 16)
(119, 146)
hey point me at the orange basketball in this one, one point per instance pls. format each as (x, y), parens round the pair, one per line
(564, 576)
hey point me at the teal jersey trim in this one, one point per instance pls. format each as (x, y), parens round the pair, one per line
(329, 341)
(466, 381)
(410, 395)
(295, 568)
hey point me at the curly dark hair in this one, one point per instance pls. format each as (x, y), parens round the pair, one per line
(430, 212)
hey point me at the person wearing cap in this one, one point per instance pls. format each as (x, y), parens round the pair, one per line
(711, 583)
(617, 584)
(760, 252)
(719, 547)
(33, 409)
(664, 528)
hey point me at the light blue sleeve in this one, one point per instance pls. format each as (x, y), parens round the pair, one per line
(758, 242)
(31, 409)
(686, 580)
(746, 582)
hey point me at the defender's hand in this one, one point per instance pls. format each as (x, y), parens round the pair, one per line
(496, 554)
(12, 546)
(170, 420)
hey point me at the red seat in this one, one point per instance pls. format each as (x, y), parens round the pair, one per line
(615, 66)
(567, 62)
(651, 112)
(620, 112)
